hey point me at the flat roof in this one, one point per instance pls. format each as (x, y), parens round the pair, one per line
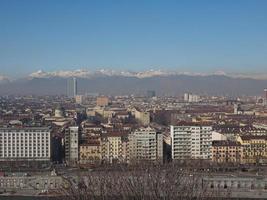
(24, 128)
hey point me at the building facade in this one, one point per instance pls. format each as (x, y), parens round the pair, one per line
(72, 145)
(102, 101)
(146, 144)
(90, 153)
(227, 152)
(114, 148)
(191, 142)
(189, 97)
(25, 144)
(254, 148)
(34, 184)
(80, 99)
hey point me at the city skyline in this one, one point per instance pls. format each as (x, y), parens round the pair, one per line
(203, 37)
(133, 99)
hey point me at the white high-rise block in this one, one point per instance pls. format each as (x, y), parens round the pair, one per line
(191, 142)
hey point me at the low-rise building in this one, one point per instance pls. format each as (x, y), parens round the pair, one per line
(37, 183)
(25, 144)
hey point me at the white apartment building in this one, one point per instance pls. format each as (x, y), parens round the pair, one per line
(146, 144)
(72, 145)
(188, 97)
(29, 143)
(191, 142)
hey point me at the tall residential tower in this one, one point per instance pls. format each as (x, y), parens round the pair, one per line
(72, 87)
(191, 141)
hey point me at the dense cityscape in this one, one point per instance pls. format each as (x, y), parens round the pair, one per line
(133, 100)
(53, 142)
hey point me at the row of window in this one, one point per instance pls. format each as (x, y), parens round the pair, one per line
(227, 151)
(26, 137)
(229, 155)
(25, 142)
(23, 155)
(23, 138)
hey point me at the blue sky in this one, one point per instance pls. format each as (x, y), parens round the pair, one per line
(188, 35)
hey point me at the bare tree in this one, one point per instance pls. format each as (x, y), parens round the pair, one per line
(149, 181)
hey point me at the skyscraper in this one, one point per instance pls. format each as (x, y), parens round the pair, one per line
(72, 87)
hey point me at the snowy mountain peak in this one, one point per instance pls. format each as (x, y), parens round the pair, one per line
(63, 74)
(4, 79)
(39, 74)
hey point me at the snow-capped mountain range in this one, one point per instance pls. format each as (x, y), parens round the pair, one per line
(84, 73)
(3, 79)
(115, 82)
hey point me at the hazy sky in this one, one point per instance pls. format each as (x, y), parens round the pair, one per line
(198, 36)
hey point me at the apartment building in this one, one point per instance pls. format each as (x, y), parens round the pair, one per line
(72, 145)
(146, 144)
(191, 141)
(114, 147)
(226, 151)
(102, 101)
(254, 148)
(26, 143)
(90, 153)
